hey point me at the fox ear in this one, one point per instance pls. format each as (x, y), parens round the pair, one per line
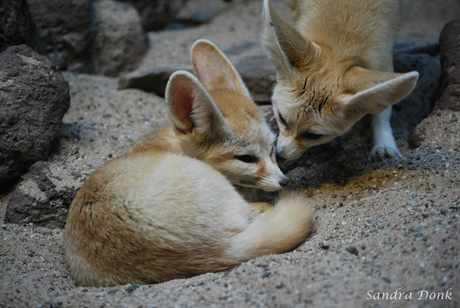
(192, 108)
(376, 91)
(214, 69)
(287, 47)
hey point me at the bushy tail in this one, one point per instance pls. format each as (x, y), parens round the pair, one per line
(279, 229)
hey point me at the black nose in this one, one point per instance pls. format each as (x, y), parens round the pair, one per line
(284, 182)
(280, 157)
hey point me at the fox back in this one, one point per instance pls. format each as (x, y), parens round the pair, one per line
(334, 67)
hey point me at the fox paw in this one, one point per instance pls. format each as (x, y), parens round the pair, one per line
(382, 153)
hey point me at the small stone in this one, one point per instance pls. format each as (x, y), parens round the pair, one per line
(131, 288)
(353, 250)
(386, 279)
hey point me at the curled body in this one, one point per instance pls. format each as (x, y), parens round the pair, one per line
(169, 208)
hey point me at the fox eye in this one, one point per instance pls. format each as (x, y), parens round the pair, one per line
(311, 136)
(247, 158)
(282, 120)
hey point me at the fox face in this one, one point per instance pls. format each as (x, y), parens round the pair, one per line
(307, 109)
(321, 90)
(218, 122)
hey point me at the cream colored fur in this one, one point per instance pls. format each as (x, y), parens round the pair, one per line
(158, 214)
(333, 67)
(223, 127)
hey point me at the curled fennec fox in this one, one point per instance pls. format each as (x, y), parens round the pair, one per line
(334, 67)
(157, 214)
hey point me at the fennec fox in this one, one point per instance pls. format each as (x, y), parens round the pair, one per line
(223, 128)
(334, 67)
(157, 214)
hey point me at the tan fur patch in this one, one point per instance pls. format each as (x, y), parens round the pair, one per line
(165, 140)
(237, 109)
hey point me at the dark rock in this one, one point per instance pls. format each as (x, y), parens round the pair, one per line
(195, 13)
(417, 43)
(33, 100)
(449, 86)
(120, 41)
(259, 76)
(156, 14)
(16, 24)
(64, 32)
(450, 62)
(242, 47)
(151, 80)
(39, 200)
(414, 108)
(256, 72)
(103, 37)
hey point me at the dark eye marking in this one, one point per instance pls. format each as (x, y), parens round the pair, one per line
(304, 87)
(310, 136)
(322, 103)
(247, 158)
(282, 120)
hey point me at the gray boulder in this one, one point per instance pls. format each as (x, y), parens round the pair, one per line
(414, 108)
(450, 60)
(150, 80)
(256, 72)
(34, 97)
(16, 24)
(103, 37)
(40, 199)
(156, 14)
(120, 41)
(64, 32)
(259, 76)
(449, 86)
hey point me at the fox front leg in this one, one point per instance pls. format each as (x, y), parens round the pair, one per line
(384, 142)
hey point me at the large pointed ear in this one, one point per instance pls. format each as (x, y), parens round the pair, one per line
(192, 108)
(376, 91)
(214, 69)
(288, 48)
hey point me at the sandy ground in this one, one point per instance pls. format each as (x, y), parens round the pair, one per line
(381, 229)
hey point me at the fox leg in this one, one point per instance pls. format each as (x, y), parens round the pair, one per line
(384, 142)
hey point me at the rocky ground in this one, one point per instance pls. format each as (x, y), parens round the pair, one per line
(381, 228)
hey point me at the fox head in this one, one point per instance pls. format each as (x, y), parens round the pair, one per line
(218, 122)
(321, 93)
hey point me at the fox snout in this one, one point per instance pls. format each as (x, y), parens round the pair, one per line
(274, 178)
(284, 181)
(287, 149)
(274, 184)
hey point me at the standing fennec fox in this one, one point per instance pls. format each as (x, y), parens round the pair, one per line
(334, 67)
(157, 214)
